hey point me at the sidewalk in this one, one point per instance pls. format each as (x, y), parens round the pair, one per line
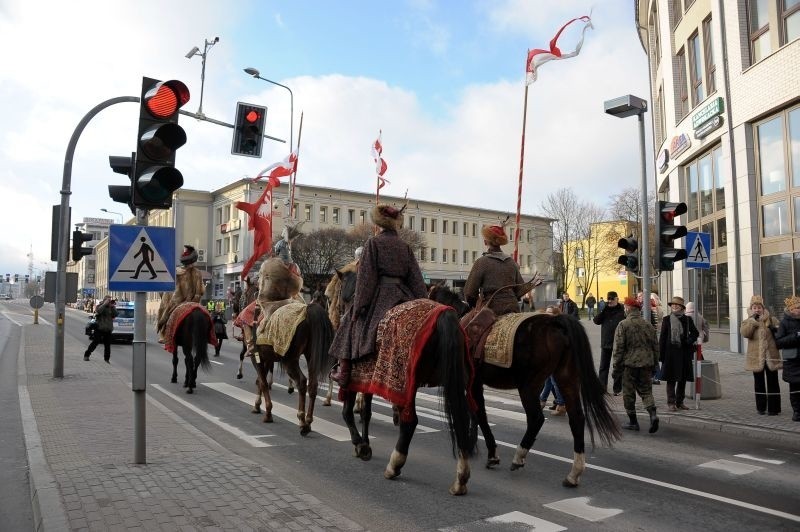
(79, 439)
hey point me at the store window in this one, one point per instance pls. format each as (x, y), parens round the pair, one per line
(779, 277)
(712, 294)
(778, 138)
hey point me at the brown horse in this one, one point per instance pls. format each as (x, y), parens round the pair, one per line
(312, 339)
(545, 345)
(443, 361)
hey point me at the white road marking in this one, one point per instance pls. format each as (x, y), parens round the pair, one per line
(252, 440)
(580, 507)
(12, 320)
(217, 363)
(539, 525)
(502, 400)
(765, 460)
(734, 468)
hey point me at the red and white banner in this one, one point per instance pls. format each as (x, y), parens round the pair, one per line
(538, 57)
(380, 162)
(280, 169)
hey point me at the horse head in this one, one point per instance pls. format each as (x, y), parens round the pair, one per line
(442, 294)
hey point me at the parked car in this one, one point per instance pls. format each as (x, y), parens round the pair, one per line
(123, 323)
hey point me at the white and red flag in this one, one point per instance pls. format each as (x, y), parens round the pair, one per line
(538, 57)
(380, 162)
(280, 169)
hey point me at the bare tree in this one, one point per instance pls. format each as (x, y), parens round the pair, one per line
(627, 205)
(588, 246)
(361, 233)
(319, 252)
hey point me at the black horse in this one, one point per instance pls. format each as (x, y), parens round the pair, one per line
(545, 345)
(192, 336)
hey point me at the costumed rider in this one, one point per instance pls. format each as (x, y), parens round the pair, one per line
(388, 275)
(188, 287)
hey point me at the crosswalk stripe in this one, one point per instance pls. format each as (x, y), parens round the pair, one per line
(580, 507)
(734, 468)
(765, 460)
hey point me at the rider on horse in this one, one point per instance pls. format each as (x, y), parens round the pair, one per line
(388, 274)
(188, 287)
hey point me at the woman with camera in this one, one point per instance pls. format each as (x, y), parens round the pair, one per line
(762, 356)
(105, 313)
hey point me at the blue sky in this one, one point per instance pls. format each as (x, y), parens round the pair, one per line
(442, 79)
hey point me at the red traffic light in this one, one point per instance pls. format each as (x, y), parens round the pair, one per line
(165, 98)
(670, 211)
(252, 116)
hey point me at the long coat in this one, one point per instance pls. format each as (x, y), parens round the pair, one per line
(761, 348)
(496, 277)
(388, 274)
(188, 287)
(787, 337)
(608, 319)
(677, 359)
(105, 314)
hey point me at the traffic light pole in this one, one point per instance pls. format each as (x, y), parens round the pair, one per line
(63, 233)
(139, 366)
(645, 262)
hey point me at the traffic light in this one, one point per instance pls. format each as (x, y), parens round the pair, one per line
(248, 130)
(16, 277)
(78, 251)
(155, 177)
(123, 193)
(630, 260)
(666, 234)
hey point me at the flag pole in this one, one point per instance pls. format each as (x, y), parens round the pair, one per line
(293, 177)
(521, 164)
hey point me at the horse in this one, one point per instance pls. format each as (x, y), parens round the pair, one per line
(191, 335)
(443, 361)
(545, 345)
(312, 339)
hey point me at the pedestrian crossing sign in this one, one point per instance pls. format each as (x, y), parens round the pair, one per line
(698, 250)
(141, 259)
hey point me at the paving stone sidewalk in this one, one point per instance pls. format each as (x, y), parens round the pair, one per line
(80, 452)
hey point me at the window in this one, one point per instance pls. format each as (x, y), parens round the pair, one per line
(295, 208)
(351, 216)
(218, 246)
(423, 254)
(771, 159)
(529, 237)
(465, 229)
(775, 219)
(760, 45)
(362, 218)
(579, 253)
(474, 256)
(580, 272)
(411, 222)
(696, 69)
(791, 20)
(444, 227)
(226, 213)
(454, 256)
(661, 118)
(218, 216)
(682, 95)
(779, 277)
(226, 245)
(433, 254)
(677, 12)
(423, 224)
(464, 257)
(656, 34)
(235, 243)
(455, 227)
(529, 261)
(708, 56)
(323, 215)
(335, 215)
(474, 230)
(444, 255)
(307, 212)
(433, 225)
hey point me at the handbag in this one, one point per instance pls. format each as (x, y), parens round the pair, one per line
(788, 353)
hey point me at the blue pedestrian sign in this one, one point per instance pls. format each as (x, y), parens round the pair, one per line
(141, 259)
(698, 250)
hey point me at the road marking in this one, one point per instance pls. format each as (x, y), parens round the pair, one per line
(580, 507)
(734, 468)
(252, 440)
(765, 460)
(522, 520)
(12, 320)
(217, 363)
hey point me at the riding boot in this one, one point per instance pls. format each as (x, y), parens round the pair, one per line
(653, 419)
(633, 424)
(342, 376)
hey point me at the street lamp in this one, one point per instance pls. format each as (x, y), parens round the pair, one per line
(623, 107)
(256, 74)
(113, 212)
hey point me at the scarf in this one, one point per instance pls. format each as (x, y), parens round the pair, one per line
(675, 327)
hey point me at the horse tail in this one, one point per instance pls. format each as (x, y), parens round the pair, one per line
(321, 339)
(200, 328)
(455, 377)
(593, 396)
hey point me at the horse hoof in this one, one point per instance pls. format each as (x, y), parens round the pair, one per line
(458, 489)
(174, 380)
(267, 418)
(390, 474)
(304, 430)
(514, 466)
(363, 451)
(290, 390)
(568, 484)
(326, 402)
(239, 375)
(189, 390)
(255, 410)
(492, 461)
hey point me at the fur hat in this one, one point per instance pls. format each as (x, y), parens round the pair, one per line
(791, 302)
(189, 255)
(678, 300)
(386, 216)
(495, 235)
(756, 300)
(632, 302)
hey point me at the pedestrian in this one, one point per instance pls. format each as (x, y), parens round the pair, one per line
(699, 322)
(635, 353)
(601, 304)
(104, 319)
(559, 405)
(388, 275)
(656, 315)
(788, 341)
(568, 306)
(590, 303)
(762, 357)
(608, 319)
(220, 328)
(676, 345)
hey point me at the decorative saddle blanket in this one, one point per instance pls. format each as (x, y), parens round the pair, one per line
(499, 347)
(247, 316)
(177, 317)
(281, 325)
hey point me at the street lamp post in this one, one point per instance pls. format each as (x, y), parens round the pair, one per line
(196, 51)
(114, 212)
(256, 74)
(623, 107)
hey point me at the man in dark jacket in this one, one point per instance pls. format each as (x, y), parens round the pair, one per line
(608, 319)
(569, 307)
(788, 340)
(104, 320)
(676, 343)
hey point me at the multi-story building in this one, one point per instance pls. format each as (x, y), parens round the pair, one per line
(211, 223)
(726, 125)
(86, 268)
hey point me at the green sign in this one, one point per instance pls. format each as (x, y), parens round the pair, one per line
(708, 111)
(425, 278)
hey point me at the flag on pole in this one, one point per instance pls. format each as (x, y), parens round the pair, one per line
(538, 57)
(380, 162)
(280, 169)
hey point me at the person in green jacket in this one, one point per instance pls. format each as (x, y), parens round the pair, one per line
(105, 313)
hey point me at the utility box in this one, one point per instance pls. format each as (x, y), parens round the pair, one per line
(712, 388)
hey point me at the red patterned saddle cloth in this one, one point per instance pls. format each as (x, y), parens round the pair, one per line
(177, 317)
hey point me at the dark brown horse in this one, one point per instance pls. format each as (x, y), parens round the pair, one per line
(443, 362)
(191, 336)
(546, 345)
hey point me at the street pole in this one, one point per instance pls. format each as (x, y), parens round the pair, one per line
(645, 262)
(139, 366)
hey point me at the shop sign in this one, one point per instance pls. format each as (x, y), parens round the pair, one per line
(704, 130)
(663, 160)
(707, 112)
(679, 144)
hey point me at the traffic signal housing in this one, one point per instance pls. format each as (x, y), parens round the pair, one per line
(155, 177)
(78, 251)
(248, 129)
(123, 193)
(630, 259)
(666, 234)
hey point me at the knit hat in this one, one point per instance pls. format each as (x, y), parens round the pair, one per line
(494, 235)
(678, 300)
(756, 300)
(189, 255)
(632, 302)
(791, 302)
(387, 216)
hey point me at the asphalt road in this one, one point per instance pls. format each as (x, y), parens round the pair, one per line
(679, 478)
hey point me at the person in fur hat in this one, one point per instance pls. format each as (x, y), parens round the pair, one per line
(788, 337)
(495, 276)
(676, 342)
(188, 287)
(762, 356)
(388, 274)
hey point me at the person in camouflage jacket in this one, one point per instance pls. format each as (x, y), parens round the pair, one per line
(634, 355)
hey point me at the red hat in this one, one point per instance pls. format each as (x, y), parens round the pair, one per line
(632, 302)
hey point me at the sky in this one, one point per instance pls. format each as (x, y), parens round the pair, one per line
(442, 79)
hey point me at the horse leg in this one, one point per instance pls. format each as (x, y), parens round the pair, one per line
(364, 449)
(296, 374)
(329, 395)
(174, 365)
(459, 486)
(400, 453)
(239, 373)
(483, 422)
(261, 388)
(577, 422)
(359, 403)
(290, 390)
(534, 419)
(189, 364)
(348, 400)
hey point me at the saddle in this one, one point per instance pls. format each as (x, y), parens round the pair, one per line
(176, 318)
(477, 323)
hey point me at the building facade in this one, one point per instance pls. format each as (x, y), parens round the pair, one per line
(726, 129)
